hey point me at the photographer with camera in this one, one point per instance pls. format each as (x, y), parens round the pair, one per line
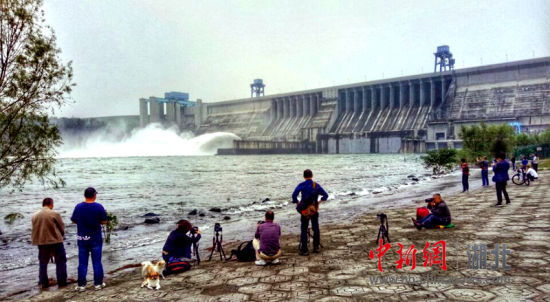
(308, 207)
(440, 214)
(178, 244)
(266, 240)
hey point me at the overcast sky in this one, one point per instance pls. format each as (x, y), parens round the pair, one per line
(123, 50)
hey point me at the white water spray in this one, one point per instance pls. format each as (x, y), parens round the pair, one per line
(153, 140)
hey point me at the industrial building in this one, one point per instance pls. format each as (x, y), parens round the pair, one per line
(399, 115)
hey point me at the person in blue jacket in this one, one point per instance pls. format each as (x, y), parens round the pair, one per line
(310, 192)
(501, 179)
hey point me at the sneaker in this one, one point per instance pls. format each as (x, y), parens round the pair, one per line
(80, 289)
(276, 261)
(498, 205)
(99, 287)
(304, 253)
(260, 262)
(315, 250)
(416, 224)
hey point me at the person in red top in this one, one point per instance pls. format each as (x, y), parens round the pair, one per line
(465, 175)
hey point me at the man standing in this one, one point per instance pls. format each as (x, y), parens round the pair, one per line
(47, 232)
(535, 162)
(309, 202)
(484, 165)
(501, 179)
(266, 241)
(465, 174)
(88, 217)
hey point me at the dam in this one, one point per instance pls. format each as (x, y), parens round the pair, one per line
(409, 114)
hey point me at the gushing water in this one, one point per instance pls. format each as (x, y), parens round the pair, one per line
(153, 140)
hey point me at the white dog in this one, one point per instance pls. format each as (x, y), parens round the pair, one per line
(151, 273)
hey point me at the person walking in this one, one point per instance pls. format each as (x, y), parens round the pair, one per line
(501, 179)
(47, 233)
(465, 175)
(308, 207)
(88, 217)
(513, 162)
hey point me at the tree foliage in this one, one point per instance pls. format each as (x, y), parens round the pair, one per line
(33, 82)
(483, 140)
(440, 160)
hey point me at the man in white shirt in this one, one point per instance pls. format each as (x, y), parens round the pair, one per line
(531, 173)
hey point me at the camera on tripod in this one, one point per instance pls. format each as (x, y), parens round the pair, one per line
(261, 222)
(217, 227)
(429, 200)
(217, 242)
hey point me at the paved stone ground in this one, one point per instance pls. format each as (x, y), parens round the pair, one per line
(343, 270)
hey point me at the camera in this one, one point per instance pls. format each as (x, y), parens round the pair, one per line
(261, 221)
(194, 230)
(217, 227)
(429, 200)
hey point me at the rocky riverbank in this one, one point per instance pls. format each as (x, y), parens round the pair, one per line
(344, 271)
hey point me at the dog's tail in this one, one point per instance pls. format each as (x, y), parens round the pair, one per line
(127, 266)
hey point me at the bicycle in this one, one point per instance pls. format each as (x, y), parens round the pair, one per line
(520, 178)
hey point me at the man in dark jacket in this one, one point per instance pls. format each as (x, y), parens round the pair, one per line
(501, 179)
(47, 232)
(440, 214)
(178, 244)
(310, 191)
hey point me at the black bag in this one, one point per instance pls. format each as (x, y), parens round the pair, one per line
(245, 252)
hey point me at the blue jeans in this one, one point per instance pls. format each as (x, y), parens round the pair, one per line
(485, 177)
(431, 221)
(303, 234)
(85, 248)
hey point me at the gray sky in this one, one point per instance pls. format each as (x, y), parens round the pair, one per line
(123, 50)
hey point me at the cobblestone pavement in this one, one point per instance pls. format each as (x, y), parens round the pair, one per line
(343, 270)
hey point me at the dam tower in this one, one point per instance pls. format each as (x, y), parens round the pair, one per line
(257, 88)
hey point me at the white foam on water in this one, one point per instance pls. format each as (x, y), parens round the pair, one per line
(153, 140)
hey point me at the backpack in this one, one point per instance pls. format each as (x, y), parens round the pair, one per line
(422, 212)
(245, 252)
(307, 207)
(177, 265)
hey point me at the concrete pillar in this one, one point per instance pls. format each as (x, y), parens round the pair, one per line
(305, 104)
(356, 101)
(401, 95)
(348, 101)
(154, 109)
(364, 95)
(422, 94)
(179, 107)
(292, 107)
(286, 107)
(170, 112)
(273, 110)
(382, 97)
(432, 93)
(299, 106)
(143, 112)
(372, 96)
(392, 97)
(312, 105)
(318, 101)
(443, 89)
(198, 113)
(411, 93)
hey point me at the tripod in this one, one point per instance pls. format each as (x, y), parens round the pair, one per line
(217, 245)
(196, 248)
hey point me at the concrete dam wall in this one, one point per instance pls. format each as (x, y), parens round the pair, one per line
(406, 114)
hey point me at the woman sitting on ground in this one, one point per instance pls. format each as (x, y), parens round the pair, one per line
(178, 244)
(531, 173)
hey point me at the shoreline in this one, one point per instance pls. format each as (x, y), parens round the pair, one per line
(344, 265)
